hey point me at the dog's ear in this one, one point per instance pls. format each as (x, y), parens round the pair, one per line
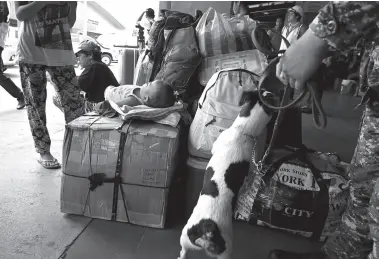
(248, 96)
(270, 99)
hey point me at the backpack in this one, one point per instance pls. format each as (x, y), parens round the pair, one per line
(173, 50)
(218, 107)
(167, 20)
(180, 61)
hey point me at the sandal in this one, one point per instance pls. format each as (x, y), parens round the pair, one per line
(50, 164)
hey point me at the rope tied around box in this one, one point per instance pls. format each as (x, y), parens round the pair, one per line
(98, 179)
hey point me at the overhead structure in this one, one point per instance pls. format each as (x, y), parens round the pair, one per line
(105, 15)
(268, 11)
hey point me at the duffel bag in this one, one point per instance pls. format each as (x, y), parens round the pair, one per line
(302, 191)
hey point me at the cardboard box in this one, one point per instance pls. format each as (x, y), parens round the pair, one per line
(140, 205)
(143, 153)
(252, 60)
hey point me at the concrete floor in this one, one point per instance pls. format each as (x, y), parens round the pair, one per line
(32, 227)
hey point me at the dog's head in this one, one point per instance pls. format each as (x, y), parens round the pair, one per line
(206, 234)
(250, 98)
(254, 115)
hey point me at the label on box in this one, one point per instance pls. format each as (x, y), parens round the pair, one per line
(150, 175)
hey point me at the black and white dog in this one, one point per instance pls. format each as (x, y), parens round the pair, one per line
(210, 226)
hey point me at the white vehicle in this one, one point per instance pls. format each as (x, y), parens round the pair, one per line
(108, 56)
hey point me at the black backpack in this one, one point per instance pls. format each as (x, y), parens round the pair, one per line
(170, 20)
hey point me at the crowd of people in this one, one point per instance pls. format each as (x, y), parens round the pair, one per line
(45, 46)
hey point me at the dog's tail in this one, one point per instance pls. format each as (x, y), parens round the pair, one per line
(209, 237)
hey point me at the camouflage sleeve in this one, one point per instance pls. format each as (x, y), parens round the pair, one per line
(342, 24)
(373, 69)
(374, 221)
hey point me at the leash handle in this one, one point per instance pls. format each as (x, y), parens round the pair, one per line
(318, 113)
(269, 78)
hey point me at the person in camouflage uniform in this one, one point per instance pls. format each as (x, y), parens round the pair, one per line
(340, 25)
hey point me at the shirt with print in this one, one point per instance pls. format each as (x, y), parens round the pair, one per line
(46, 38)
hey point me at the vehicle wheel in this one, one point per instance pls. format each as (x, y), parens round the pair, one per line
(107, 59)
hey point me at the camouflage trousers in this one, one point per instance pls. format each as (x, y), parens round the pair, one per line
(358, 234)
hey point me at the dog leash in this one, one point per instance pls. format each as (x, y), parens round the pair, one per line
(269, 78)
(318, 113)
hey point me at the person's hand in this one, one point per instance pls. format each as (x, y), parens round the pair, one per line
(301, 60)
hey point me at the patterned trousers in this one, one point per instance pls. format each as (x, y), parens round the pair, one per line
(88, 106)
(353, 239)
(33, 80)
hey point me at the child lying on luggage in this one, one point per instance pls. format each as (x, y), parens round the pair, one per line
(156, 94)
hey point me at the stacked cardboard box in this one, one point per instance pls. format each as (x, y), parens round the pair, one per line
(118, 170)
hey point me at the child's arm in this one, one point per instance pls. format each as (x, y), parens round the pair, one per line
(28, 11)
(129, 101)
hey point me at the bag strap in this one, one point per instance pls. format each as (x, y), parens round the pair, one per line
(285, 98)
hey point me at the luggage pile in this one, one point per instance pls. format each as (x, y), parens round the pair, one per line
(124, 169)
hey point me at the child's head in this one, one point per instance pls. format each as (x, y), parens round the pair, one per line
(157, 94)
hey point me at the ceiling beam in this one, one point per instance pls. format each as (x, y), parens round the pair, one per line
(105, 15)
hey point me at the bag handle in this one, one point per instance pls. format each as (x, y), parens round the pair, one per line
(204, 18)
(218, 76)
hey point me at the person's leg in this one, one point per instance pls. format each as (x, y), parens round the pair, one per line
(352, 239)
(65, 83)
(13, 90)
(10, 86)
(33, 80)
